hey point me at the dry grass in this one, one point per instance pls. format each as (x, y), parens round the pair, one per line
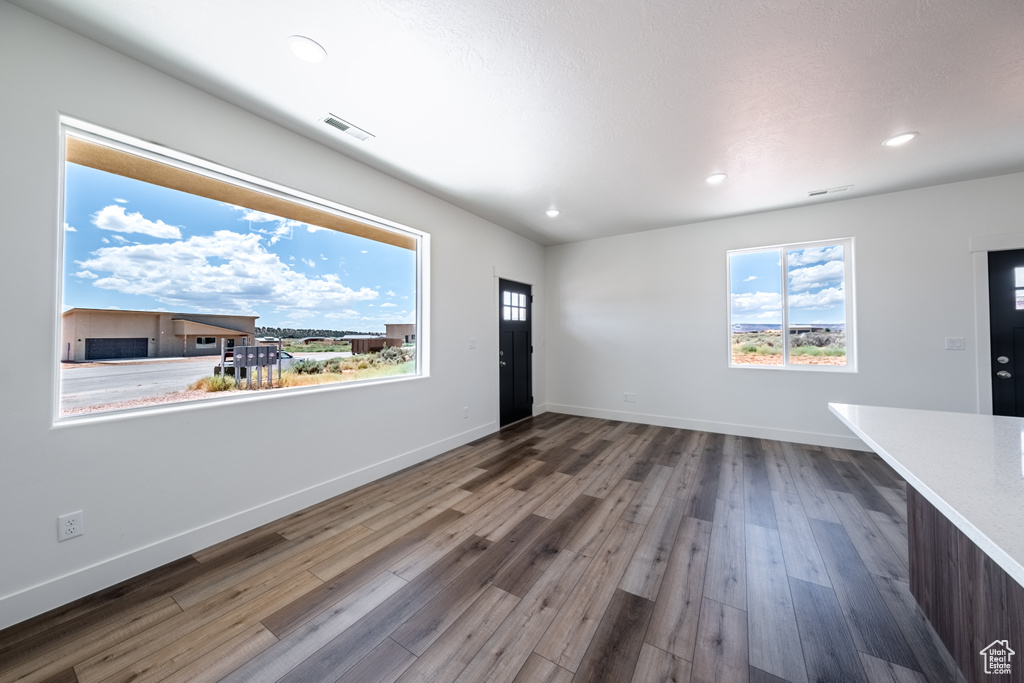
(292, 379)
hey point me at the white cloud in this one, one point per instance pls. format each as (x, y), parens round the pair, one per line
(313, 228)
(826, 298)
(389, 305)
(256, 216)
(105, 240)
(309, 262)
(68, 228)
(223, 272)
(322, 257)
(364, 252)
(806, 257)
(829, 273)
(119, 239)
(342, 315)
(120, 201)
(752, 302)
(284, 231)
(750, 279)
(88, 274)
(114, 218)
(390, 293)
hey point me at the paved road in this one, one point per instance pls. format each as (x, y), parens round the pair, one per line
(112, 382)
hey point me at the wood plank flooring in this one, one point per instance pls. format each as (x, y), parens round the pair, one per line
(560, 549)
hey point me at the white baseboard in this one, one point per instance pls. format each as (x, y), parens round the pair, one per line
(42, 597)
(811, 438)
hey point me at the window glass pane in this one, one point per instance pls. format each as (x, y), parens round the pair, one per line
(522, 314)
(1018, 276)
(507, 298)
(1020, 299)
(756, 307)
(816, 305)
(522, 300)
(507, 315)
(210, 264)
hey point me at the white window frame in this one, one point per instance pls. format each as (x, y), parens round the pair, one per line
(69, 126)
(848, 289)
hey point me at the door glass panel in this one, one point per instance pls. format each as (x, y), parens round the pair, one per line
(1020, 299)
(1018, 277)
(507, 314)
(507, 298)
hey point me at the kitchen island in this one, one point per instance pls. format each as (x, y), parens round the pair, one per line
(965, 505)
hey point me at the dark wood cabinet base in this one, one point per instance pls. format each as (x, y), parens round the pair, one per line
(969, 599)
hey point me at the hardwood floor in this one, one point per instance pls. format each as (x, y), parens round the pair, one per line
(560, 549)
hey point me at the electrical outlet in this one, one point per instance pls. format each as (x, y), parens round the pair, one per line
(70, 525)
(465, 411)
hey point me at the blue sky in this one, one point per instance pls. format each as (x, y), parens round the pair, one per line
(134, 246)
(815, 287)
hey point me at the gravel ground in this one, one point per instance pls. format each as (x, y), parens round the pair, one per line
(761, 359)
(173, 397)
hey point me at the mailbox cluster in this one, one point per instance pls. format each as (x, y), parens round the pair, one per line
(256, 357)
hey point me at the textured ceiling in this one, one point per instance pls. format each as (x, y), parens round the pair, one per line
(614, 112)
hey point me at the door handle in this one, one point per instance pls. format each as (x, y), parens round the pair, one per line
(1003, 374)
(502, 363)
(1003, 360)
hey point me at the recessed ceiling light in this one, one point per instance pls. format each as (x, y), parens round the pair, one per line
(552, 212)
(307, 49)
(901, 139)
(716, 178)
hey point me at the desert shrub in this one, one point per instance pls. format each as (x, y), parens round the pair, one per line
(818, 339)
(305, 366)
(393, 355)
(213, 383)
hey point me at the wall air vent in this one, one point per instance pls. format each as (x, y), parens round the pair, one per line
(831, 190)
(346, 127)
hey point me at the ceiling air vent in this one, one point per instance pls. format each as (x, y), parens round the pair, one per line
(831, 190)
(346, 127)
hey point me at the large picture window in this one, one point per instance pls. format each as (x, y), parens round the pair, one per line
(791, 306)
(171, 264)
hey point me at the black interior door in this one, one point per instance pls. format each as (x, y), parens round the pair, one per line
(515, 313)
(1006, 321)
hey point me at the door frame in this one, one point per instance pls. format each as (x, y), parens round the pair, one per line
(979, 247)
(496, 323)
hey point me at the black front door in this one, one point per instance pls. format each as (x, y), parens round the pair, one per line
(515, 313)
(1006, 321)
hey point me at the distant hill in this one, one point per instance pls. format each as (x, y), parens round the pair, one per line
(751, 327)
(292, 333)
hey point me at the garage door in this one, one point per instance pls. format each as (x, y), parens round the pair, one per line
(117, 347)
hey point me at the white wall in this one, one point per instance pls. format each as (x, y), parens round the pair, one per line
(647, 313)
(159, 485)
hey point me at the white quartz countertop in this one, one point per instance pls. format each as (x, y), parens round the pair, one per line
(970, 467)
